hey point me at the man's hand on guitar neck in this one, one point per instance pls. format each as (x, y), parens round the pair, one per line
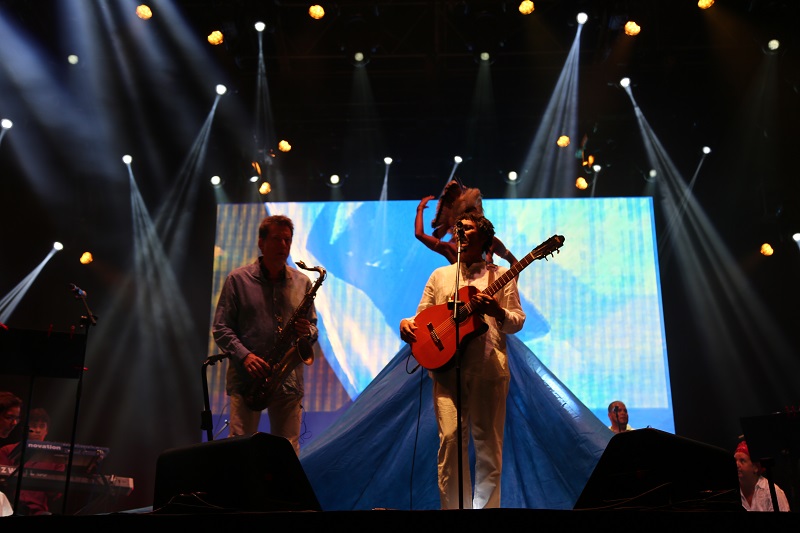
(489, 306)
(408, 328)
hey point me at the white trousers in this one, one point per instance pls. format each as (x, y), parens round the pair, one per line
(285, 416)
(483, 416)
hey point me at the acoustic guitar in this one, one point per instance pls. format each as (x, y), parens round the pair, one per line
(436, 326)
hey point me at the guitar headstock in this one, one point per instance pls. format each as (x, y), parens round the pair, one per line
(548, 247)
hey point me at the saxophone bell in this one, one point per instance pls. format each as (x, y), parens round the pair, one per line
(305, 349)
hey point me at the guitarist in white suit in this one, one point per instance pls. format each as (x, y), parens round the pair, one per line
(483, 363)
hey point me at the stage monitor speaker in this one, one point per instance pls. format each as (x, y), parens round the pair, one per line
(651, 469)
(256, 473)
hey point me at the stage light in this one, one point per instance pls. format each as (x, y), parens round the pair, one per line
(144, 12)
(284, 146)
(624, 82)
(6, 124)
(254, 178)
(581, 183)
(597, 168)
(526, 7)
(316, 12)
(563, 141)
(706, 150)
(512, 177)
(457, 159)
(265, 189)
(582, 18)
(127, 159)
(773, 45)
(334, 179)
(796, 237)
(216, 181)
(705, 4)
(216, 37)
(221, 89)
(387, 160)
(631, 28)
(653, 174)
(86, 258)
(485, 56)
(766, 249)
(57, 246)
(260, 26)
(72, 59)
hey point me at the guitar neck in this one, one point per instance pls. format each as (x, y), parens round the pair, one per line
(543, 250)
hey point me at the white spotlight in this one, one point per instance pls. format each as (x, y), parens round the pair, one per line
(254, 179)
(457, 159)
(6, 124)
(359, 57)
(334, 179)
(221, 89)
(796, 237)
(485, 56)
(706, 150)
(387, 160)
(127, 159)
(512, 176)
(582, 18)
(215, 181)
(72, 59)
(597, 168)
(260, 26)
(57, 246)
(773, 44)
(624, 82)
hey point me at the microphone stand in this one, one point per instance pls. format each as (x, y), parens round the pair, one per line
(90, 319)
(459, 429)
(205, 416)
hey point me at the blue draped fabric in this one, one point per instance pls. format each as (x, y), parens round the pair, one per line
(381, 452)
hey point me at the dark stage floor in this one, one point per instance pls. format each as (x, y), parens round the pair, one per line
(394, 520)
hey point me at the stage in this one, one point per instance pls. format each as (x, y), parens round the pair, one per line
(397, 520)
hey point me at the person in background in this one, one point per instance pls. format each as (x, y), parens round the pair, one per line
(484, 372)
(33, 502)
(618, 416)
(454, 201)
(753, 486)
(10, 407)
(254, 306)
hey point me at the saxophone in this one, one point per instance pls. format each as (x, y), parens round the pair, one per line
(289, 351)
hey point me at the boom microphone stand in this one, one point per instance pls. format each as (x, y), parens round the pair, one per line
(205, 416)
(88, 320)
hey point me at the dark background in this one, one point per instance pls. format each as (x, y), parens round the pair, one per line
(146, 89)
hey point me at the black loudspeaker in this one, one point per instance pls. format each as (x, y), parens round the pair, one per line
(651, 469)
(256, 473)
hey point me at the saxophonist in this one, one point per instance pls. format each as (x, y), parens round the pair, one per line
(255, 305)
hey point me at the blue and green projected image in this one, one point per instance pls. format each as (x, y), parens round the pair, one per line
(594, 313)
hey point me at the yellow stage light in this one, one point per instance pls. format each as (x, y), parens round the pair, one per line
(144, 12)
(215, 37)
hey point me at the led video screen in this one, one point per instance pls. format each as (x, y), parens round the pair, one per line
(594, 311)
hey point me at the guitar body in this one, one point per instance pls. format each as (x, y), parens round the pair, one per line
(436, 326)
(436, 332)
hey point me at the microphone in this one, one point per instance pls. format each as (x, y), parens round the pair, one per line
(77, 290)
(460, 231)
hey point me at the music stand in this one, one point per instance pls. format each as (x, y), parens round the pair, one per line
(774, 440)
